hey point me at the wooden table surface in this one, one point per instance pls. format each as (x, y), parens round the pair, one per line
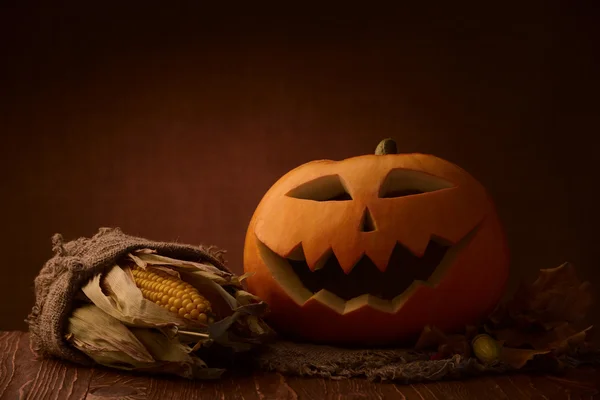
(24, 377)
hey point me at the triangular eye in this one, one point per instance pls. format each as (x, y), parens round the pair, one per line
(325, 188)
(405, 182)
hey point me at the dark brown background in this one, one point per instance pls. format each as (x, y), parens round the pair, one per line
(172, 123)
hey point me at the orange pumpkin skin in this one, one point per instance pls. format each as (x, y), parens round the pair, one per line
(461, 214)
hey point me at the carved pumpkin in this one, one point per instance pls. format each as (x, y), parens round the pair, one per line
(373, 248)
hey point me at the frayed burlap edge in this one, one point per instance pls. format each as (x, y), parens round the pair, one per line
(397, 365)
(72, 265)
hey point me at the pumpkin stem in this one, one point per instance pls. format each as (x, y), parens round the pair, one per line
(386, 146)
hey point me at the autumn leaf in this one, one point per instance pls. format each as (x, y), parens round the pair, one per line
(543, 312)
(539, 320)
(456, 344)
(517, 358)
(430, 337)
(471, 331)
(541, 317)
(447, 345)
(556, 296)
(539, 339)
(564, 345)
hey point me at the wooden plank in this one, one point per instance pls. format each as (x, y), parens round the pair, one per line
(363, 389)
(106, 385)
(26, 378)
(167, 388)
(358, 388)
(509, 387)
(584, 382)
(554, 389)
(9, 343)
(452, 390)
(273, 386)
(310, 388)
(110, 385)
(490, 389)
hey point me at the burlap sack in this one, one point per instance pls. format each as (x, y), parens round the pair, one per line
(75, 262)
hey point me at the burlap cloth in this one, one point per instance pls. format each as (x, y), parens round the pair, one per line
(75, 262)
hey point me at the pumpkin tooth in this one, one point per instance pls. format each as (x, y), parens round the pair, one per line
(322, 261)
(297, 253)
(316, 254)
(315, 265)
(416, 242)
(380, 256)
(348, 255)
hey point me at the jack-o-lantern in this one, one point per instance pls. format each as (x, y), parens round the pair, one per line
(373, 248)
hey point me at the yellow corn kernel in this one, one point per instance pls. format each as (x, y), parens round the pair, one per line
(173, 294)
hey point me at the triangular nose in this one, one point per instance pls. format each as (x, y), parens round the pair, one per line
(367, 223)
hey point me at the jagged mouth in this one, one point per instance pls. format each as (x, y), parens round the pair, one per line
(364, 278)
(365, 284)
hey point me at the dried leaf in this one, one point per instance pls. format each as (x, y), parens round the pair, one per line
(565, 344)
(245, 276)
(110, 343)
(447, 345)
(456, 344)
(539, 339)
(235, 343)
(205, 268)
(517, 358)
(245, 298)
(219, 329)
(105, 339)
(173, 357)
(166, 270)
(471, 331)
(517, 338)
(162, 347)
(556, 296)
(231, 309)
(138, 261)
(257, 326)
(541, 315)
(538, 320)
(430, 337)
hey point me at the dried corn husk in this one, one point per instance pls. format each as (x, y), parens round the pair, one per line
(119, 328)
(110, 343)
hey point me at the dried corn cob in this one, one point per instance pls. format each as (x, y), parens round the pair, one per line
(173, 294)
